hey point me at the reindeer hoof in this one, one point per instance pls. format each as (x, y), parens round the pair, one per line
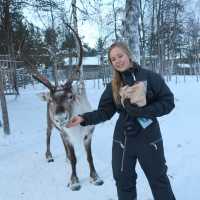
(97, 181)
(50, 160)
(74, 186)
(49, 157)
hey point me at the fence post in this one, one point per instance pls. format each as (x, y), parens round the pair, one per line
(4, 107)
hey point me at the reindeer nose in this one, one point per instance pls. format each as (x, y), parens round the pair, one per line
(61, 118)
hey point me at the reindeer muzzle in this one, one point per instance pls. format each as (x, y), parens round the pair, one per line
(61, 119)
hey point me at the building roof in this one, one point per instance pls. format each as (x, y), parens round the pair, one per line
(86, 60)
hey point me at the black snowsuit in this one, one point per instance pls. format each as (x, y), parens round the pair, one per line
(131, 142)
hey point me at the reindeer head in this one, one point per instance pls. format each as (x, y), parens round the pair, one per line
(60, 103)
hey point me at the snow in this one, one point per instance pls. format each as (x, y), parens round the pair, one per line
(86, 60)
(183, 65)
(25, 174)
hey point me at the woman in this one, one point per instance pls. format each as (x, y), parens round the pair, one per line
(137, 135)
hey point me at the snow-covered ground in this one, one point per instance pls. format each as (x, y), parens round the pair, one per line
(25, 174)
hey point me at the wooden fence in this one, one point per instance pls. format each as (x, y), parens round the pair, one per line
(20, 77)
(13, 76)
(90, 72)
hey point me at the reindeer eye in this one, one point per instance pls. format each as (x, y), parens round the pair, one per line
(70, 96)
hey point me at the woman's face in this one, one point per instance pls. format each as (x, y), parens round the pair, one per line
(119, 59)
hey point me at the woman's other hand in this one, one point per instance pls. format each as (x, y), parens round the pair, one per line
(74, 121)
(123, 93)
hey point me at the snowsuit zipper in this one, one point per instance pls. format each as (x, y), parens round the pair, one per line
(123, 146)
(154, 143)
(123, 154)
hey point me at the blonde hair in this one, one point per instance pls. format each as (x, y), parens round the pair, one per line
(117, 79)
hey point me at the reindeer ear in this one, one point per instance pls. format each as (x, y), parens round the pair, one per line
(44, 96)
(68, 85)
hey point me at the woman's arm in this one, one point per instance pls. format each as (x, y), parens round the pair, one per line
(106, 109)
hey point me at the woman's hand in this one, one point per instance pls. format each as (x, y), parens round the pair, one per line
(123, 93)
(74, 121)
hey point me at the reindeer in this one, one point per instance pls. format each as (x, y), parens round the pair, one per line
(63, 102)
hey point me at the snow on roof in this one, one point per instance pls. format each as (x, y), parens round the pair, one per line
(86, 60)
(183, 65)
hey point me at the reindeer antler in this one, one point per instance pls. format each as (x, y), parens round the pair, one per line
(78, 66)
(39, 77)
(32, 68)
(42, 79)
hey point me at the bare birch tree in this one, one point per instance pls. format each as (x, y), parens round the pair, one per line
(130, 30)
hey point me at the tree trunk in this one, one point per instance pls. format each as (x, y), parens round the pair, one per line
(115, 20)
(74, 15)
(75, 26)
(130, 27)
(142, 33)
(6, 127)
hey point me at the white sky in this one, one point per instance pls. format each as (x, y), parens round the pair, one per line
(89, 33)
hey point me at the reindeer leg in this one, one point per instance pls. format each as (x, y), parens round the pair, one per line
(70, 154)
(94, 178)
(74, 183)
(49, 156)
(66, 143)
